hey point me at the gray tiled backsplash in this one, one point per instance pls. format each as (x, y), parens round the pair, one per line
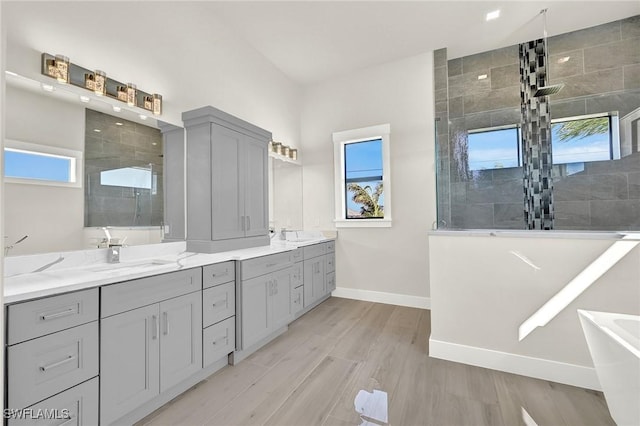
(504, 76)
(612, 55)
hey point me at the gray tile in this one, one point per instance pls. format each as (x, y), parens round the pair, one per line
(630, 27)
(492, 100)
(573, 66)
(502, 191)
(458, 193)
(509, 215)
(506, 117)
(567, 108)
(571, 214)
(440, 57)
(630, 163)
(634, 185)
(593, 36)
(508, 173)
(505, 56)
(609, 187)
(612, 55)
(454, 66)
(589, 84)
(572, 188)
(480, 120)
(473, 85)
(440, 95)
(441, 106)
(505, 76)
(622, 215)
(624, 103)
(472, 216)
(456, 86)
(631, 77)
(456, 108)
(478, 62)
(440, 77)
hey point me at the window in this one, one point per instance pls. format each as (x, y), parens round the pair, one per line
(494, 148)
(362, 171)
(585, 138)
(40, 164)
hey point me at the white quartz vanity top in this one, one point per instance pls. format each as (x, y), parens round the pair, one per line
(87, 269)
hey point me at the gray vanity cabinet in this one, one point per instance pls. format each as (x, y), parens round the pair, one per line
(314, 273)
(151, 348)
(227, 182)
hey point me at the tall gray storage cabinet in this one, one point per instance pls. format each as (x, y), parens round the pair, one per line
(227, 182)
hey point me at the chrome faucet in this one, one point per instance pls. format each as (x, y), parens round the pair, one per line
(113, 255)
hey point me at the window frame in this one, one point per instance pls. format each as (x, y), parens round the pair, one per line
(76, 171)
(340, 139)
(518, 129)
(614, 133)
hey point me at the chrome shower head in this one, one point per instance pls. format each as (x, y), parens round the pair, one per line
(548, 90)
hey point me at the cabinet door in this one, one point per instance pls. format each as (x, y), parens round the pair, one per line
(227, 197)
(180, 339)
(280, 303)
(314, 280)
(255, 322)
(129, 362)
(256, 192)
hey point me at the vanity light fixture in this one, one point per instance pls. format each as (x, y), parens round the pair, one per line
(116, 109)
(564, 59)
(100, 83)
(47, 87)
(157, 104)
(482, 76)
(84, 99)
(131, 94)
(62, 69)
(493, 15)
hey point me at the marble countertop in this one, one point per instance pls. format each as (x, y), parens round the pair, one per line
(35, 276)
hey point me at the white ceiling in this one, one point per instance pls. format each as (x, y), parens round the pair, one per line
(309, 41)
(313, 41)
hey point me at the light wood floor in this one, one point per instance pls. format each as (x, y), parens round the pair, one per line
(311, 374)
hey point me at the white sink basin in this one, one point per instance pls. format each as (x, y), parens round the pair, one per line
(130, 266)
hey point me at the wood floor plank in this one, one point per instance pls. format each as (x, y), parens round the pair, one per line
(311, 402)
(270, 391)
(581, 406)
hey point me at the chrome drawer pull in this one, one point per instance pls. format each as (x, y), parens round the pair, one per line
(69, 358)
(215, 342)
(70, 311)
(154, 326)
(219, 302)
(271, 265)
(226, 272)
(165, 317)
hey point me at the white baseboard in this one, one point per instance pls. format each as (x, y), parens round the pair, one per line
(382, 297)
(554, 371)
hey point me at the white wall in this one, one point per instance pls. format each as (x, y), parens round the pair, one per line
(477, 309)
(392, 261)
(52, 216)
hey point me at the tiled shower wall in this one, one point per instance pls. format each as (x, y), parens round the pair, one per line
(116, 146)
(602, 75)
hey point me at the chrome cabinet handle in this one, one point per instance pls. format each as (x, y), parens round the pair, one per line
(67, 312)
(69, 358)
(217, 340)
(248, 223)
(221, 301)
(275, 286)
(165, 319)
(243, 223)
(154, 326)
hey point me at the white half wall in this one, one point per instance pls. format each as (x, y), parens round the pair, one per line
(385, 260)
(477, 309)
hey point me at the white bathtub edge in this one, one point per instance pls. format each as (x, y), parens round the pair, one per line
(538, 368)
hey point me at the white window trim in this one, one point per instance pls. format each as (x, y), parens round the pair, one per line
(51, 150)
(340, 139)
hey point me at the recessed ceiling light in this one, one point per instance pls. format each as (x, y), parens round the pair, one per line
(119, 123)
(116, 109)
(563, 60)
(142, 117)
(47, 87)
(97, 130)
(84, 99)
(493, 15)
(10, 73)
(482, 76)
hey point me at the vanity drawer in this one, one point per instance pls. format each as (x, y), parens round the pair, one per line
(296, 255)
(218, 341)
(37, 318)
(331, 282)
(265, 264)
(218, 303)
(217, 274)
(331, 246)
(80, 404)
(128, 295)
(330, 262)
(314, 251)
(296, 275)
(45, 366)
(297, 301)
